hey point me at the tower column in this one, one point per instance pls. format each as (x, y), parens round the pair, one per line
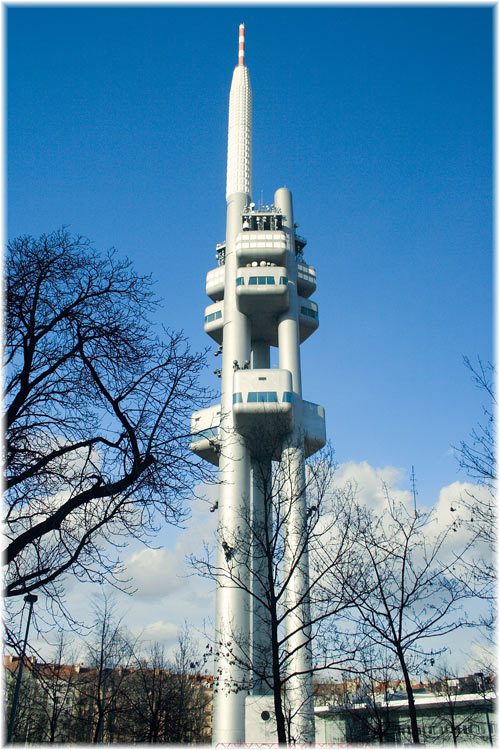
(261, 509)
(232, 627)
(299, 691)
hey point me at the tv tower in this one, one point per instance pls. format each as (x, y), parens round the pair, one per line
(261, 292)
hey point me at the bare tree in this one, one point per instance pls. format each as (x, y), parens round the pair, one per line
(148, 696)
(376, 670)
(27, 721)
(406, 593)
(166, 698)
(97, 412)
(477, 457)
(262, 557)
(454, 720)
(102, 685)
(55, 698)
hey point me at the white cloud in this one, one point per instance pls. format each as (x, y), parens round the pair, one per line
(154, 573)
(164, 633)
(370, 483)
(484, 658)
(451, 509)
(159, 573)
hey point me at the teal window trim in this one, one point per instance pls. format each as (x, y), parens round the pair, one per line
(240, 281)
(288, 397)
(237, 398)
(283, 280)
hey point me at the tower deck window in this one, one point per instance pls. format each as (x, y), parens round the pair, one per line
(211, 432)
(213, 316)
(262, 397)
(237, 398)
(240, 281)
(261, 280)
(309, 312)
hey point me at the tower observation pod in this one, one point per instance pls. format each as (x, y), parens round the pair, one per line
(260, 298)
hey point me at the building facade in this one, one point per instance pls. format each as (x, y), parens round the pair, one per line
(442, 720)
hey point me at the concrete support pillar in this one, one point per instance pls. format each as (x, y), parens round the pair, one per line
(232, 627)
(261, 504)
(260, 624)
(299, 687)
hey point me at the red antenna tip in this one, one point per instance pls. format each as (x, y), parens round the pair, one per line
(241, 45)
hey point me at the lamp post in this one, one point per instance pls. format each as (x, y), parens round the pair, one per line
(29, 599)
(483, 690)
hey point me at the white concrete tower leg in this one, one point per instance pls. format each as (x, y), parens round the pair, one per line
(260, 479)
(297, 625)
(232, 602)
(260, 623)
(232, 626)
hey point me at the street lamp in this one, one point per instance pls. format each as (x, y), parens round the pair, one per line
(29, 599)
(483, 689)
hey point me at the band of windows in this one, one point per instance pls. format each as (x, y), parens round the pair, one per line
(263, 397)
(260, 280)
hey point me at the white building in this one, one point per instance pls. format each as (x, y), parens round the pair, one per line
(464, 718)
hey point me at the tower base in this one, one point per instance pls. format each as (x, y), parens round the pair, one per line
(260, 724)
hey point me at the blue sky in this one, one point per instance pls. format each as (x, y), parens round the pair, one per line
(379, 119)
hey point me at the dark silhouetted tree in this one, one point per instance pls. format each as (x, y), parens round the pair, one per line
(97, 413)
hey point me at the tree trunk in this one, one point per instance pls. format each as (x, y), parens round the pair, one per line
(95, 738)
(411, 700)
(278, 699)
